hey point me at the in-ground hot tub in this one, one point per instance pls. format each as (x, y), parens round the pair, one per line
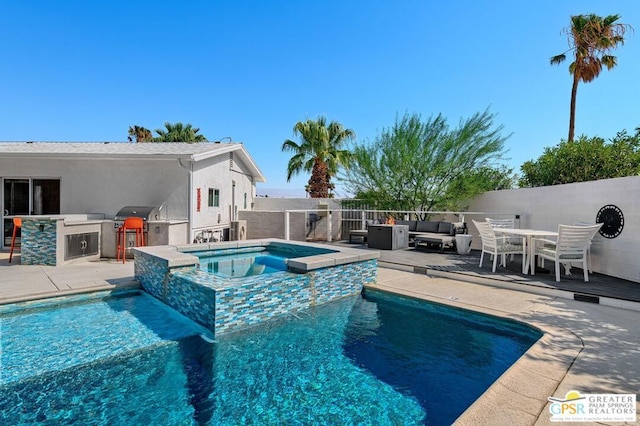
(314, 274)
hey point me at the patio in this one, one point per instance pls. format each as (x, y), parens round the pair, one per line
(602, 289)
(20, 282)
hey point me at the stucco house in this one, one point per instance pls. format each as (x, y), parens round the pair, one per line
(192, 191)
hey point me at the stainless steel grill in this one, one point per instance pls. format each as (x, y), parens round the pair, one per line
(145, 212)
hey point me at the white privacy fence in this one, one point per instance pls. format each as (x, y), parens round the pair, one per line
(326, 224)
(615, 254)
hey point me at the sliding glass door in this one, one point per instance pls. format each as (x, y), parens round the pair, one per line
(26, 196)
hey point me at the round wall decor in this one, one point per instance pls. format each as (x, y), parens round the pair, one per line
(612, 219)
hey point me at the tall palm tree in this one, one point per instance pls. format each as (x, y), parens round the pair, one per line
(141, 134)
(591, 39)
(318, 152)
(179, 132)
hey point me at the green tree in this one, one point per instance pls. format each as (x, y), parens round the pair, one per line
(418, 165)
(591, 40)
(318, 152)
(179, 132)
(584, 159)
(477, 181)
(141, 134)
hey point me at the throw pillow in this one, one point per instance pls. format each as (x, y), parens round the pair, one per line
(445, 228)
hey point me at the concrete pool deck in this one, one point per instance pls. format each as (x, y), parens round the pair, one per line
(28, 282)
(587, 347)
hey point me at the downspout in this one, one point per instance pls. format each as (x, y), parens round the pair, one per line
(189, 201)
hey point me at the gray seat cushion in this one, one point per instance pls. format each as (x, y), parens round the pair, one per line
(410, 223)
(424, 226)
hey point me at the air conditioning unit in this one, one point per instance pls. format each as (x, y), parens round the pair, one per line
(238, 230)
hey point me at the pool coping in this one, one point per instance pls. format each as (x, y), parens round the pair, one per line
(180, 255)
(520, 394)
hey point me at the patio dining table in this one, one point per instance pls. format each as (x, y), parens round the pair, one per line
(527, 236)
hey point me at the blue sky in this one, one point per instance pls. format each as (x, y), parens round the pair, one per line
(87, 70)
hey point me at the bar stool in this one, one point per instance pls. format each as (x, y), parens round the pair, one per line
(130, 224)
(17, 224)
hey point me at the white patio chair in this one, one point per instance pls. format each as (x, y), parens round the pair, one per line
(588, 250)
(506, 223)
(571, 247)
(495, 245)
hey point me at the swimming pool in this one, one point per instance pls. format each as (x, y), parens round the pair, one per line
(133, 360)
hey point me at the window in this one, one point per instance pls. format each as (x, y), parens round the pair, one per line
(214, 197)
(46, 196)
(245, 200)
(26, 196)
(31, 196)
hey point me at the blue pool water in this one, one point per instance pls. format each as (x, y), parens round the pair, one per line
(243, 264)
(375, 359)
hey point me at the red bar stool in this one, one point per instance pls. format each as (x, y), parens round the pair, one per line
(17, 224)
(130, 224)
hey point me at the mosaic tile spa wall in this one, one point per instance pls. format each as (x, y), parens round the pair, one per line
(228, 304)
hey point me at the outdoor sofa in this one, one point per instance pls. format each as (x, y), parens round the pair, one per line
(421, 232)
(440, 233)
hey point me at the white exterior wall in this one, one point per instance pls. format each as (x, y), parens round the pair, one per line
(105, 186)
(261, 224)
(219, 173)
(321, 205)
(546, 207)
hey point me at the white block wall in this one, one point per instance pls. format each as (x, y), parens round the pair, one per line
(546, 207)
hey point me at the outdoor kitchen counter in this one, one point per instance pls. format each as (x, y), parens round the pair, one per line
(60, 239)
(71, 238)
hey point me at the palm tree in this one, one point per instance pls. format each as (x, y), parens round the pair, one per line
(141, 134)
(319, 153)
(179, 132)
(591, 38)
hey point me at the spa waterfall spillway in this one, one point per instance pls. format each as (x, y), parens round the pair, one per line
(233, 285)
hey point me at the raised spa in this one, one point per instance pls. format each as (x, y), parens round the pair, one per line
(247, 261)
(192, 280)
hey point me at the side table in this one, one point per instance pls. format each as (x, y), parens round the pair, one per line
(463, 243)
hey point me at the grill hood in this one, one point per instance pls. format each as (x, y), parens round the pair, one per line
(144, 212)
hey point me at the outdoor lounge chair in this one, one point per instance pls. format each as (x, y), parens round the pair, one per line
(495, 245)
(362, 234)
(571, 247)
(358, 233)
